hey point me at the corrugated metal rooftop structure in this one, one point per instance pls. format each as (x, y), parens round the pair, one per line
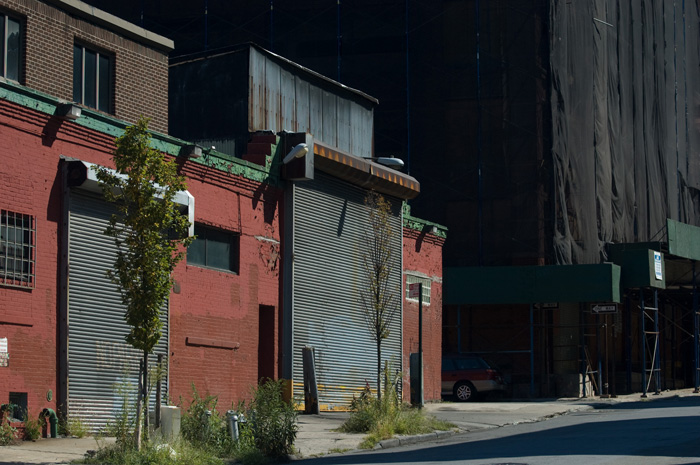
(221, 96)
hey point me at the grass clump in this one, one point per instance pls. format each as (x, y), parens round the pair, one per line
(154, 452)
(204, 427)
(32, 428)
(384, 418)
(7, 433)
(268, 433)
(272, 421)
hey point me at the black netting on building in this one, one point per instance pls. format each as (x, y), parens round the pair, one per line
(625, 90)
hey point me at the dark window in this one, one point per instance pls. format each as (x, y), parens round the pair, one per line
(18, 400)
(17, 249)
(214, 248)
(11, 47)
(92, 78)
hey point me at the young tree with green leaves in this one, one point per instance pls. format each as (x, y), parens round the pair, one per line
(150, 237)
(379, 299)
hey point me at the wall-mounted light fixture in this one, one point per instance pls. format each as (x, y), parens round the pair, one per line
(390, 162)
(192, 151)
(69, 111)
(297, 151)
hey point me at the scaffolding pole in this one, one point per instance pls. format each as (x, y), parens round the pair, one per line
(584, 362)
(696, 330)
(628, 343)
(654, 367)
(532, 350)
(644, 344)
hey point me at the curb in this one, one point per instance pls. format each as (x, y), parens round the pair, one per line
(405, 440)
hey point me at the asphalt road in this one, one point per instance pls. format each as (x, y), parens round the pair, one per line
(639, 433)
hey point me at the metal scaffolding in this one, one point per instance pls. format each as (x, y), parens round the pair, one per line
(650, 343)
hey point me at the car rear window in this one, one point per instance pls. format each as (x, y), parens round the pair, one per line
(463, 364)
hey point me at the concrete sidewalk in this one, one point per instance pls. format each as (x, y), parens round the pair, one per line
(317, 435)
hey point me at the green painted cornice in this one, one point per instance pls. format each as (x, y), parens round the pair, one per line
(113, 127)
(418, 224)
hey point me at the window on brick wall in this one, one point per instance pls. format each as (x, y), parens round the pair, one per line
(17, 249)
(11, 49)
(412, 279)
(214, 248)
(92, 78)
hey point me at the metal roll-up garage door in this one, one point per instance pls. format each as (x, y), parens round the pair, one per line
(101, 365)
(330, 220)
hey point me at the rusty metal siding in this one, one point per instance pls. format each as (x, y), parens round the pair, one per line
(343, 125)
(257, 88)
(330, 118)
(288, 101)
(284, 98)
(329, 225)
(362, 132)
(316, 111)
(273, 96)
(303, 106)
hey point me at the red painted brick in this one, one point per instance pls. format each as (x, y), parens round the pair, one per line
(423, 253)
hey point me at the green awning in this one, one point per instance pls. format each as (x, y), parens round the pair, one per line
(683, 240)
(531, 284)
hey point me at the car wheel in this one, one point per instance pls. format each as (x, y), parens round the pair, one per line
(464, 391)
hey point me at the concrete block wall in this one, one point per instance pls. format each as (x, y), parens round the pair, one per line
(140, 69)
(422, 254)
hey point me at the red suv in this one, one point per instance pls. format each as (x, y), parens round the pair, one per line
(466, 375)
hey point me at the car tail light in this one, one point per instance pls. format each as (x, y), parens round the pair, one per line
(494, 375)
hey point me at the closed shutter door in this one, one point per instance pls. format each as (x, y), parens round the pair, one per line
(101, 365)
(330, 220)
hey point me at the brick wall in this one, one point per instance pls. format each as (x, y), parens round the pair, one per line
(217, 307)
(221, 306)
(422, 253)
(140, 72)
(30, 184)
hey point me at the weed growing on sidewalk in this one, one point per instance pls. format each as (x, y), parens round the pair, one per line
(268, 433)
(7, 433)
(32, 428)
(272, 420)
(386, 417)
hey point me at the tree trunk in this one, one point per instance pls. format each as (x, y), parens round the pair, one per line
(146, 422)
(137, 432)
(379, 369)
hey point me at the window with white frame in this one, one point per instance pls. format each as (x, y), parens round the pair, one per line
(92, 78)
(17, 249)
(11, 47)
(413, 279)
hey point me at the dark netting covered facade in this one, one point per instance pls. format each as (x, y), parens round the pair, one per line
(557, 140)
(625, 92)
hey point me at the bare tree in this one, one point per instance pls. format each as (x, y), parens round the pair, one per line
(378, 298)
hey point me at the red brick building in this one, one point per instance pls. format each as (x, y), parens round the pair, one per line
(61, 326)
(422, 263)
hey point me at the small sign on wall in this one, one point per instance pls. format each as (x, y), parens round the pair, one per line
(414, 290)
(657, 266)
(4, 354)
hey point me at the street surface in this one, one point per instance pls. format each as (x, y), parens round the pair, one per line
(666, 431)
